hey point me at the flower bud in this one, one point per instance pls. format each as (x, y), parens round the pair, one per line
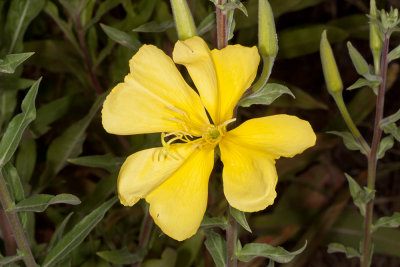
(267, 38)
(184, 22)
(331, 72)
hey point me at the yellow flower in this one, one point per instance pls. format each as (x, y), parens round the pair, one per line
(174, 178)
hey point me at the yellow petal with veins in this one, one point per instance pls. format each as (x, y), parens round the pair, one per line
(178, 205)
(249, 176)
(277, 135)
(153, 98)
(220, 76)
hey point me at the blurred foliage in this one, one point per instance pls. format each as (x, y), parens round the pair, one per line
(81, 49)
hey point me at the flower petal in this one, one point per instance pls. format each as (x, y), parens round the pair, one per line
(278, 135)
(221, 76)
(143, 171)
(195, 55)
(153, 98)
(236, 68)
(178, 205)
(249, 176)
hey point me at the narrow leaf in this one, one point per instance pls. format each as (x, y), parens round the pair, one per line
(216, 245)
(10, 259)
(122, 256)
(277, 254)
(104, 7)
(349, 141)
(392, 129)
(206, 24)
(154, 26)
(77, 234)
(26, 159)
(107, 162)
(240, 217)
(265, 95)
(38, 203)
(391, 119)
(220, 222)
(387, 222)
(121, 37)
(18, 124)
(385, 144)
(360, 196)
(361, 82)
(349, 251)
(12, 61)
(59, 232)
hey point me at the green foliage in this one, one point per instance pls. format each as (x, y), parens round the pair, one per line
(38, 203)
(349, 141)
(122, 256)
(388, 222)
(121, 37)
(266, 95)
(17, 126)
(216, 245)
(360, 196)
(349, 251)
(277, 254)
(74, 237)
(107, 162)
(12, 61)
(240, 217)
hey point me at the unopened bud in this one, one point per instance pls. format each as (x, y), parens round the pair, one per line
(331, 72)
(358, 60)
(267, 38)
(183, 18)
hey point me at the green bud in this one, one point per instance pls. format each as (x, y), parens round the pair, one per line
(331, 72)
(375, 41)
(267, 38)
(184, 22)
(358, 61)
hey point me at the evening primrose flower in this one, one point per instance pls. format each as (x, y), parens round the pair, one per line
(173, 178)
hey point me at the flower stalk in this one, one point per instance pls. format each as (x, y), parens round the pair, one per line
(372, 157)
(16, 227)
(222, 33)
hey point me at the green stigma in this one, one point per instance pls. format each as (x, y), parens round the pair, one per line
(214, 133)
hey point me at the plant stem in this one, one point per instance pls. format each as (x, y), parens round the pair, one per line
(15, 224)
(231, 240)
(81, 35)
(222, 35)
(144, 235)
(338, 97)
(8, 238)
(372, 158)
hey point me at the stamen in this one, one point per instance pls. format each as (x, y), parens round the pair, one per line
(178, 111)
(227, 122)
(179, 121)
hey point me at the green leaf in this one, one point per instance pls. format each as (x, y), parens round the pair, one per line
(349, 141)
(387, 222)
(104, 7)
(349, 251)
(358, 60)
(49, 113)
(271, 263)
(9, 259)
(73, 238)
(107, 162)
(277, 254)
(154, 26)
(168, 259)
(240, 217)
(13, 181)
(361, 82)
(18, 124)
(216, 245)
(121, 37)
(220, 222)
(122, 256)
(38, 203)
(392, 129)
(57, 235)
(26, 159)
(12, 61)
(52, 10)
(206, 24)
(360, 196)
(266, 95)
(231, 5)
(394, 54)
(385, 144)
(19, 15)
(390, 119)
(69, 144)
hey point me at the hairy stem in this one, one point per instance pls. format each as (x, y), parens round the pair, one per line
(231, 240)
(372, 158)
(222, 35)
(8, 238)
(16, 227)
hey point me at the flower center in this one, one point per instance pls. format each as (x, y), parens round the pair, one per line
(211, 136)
